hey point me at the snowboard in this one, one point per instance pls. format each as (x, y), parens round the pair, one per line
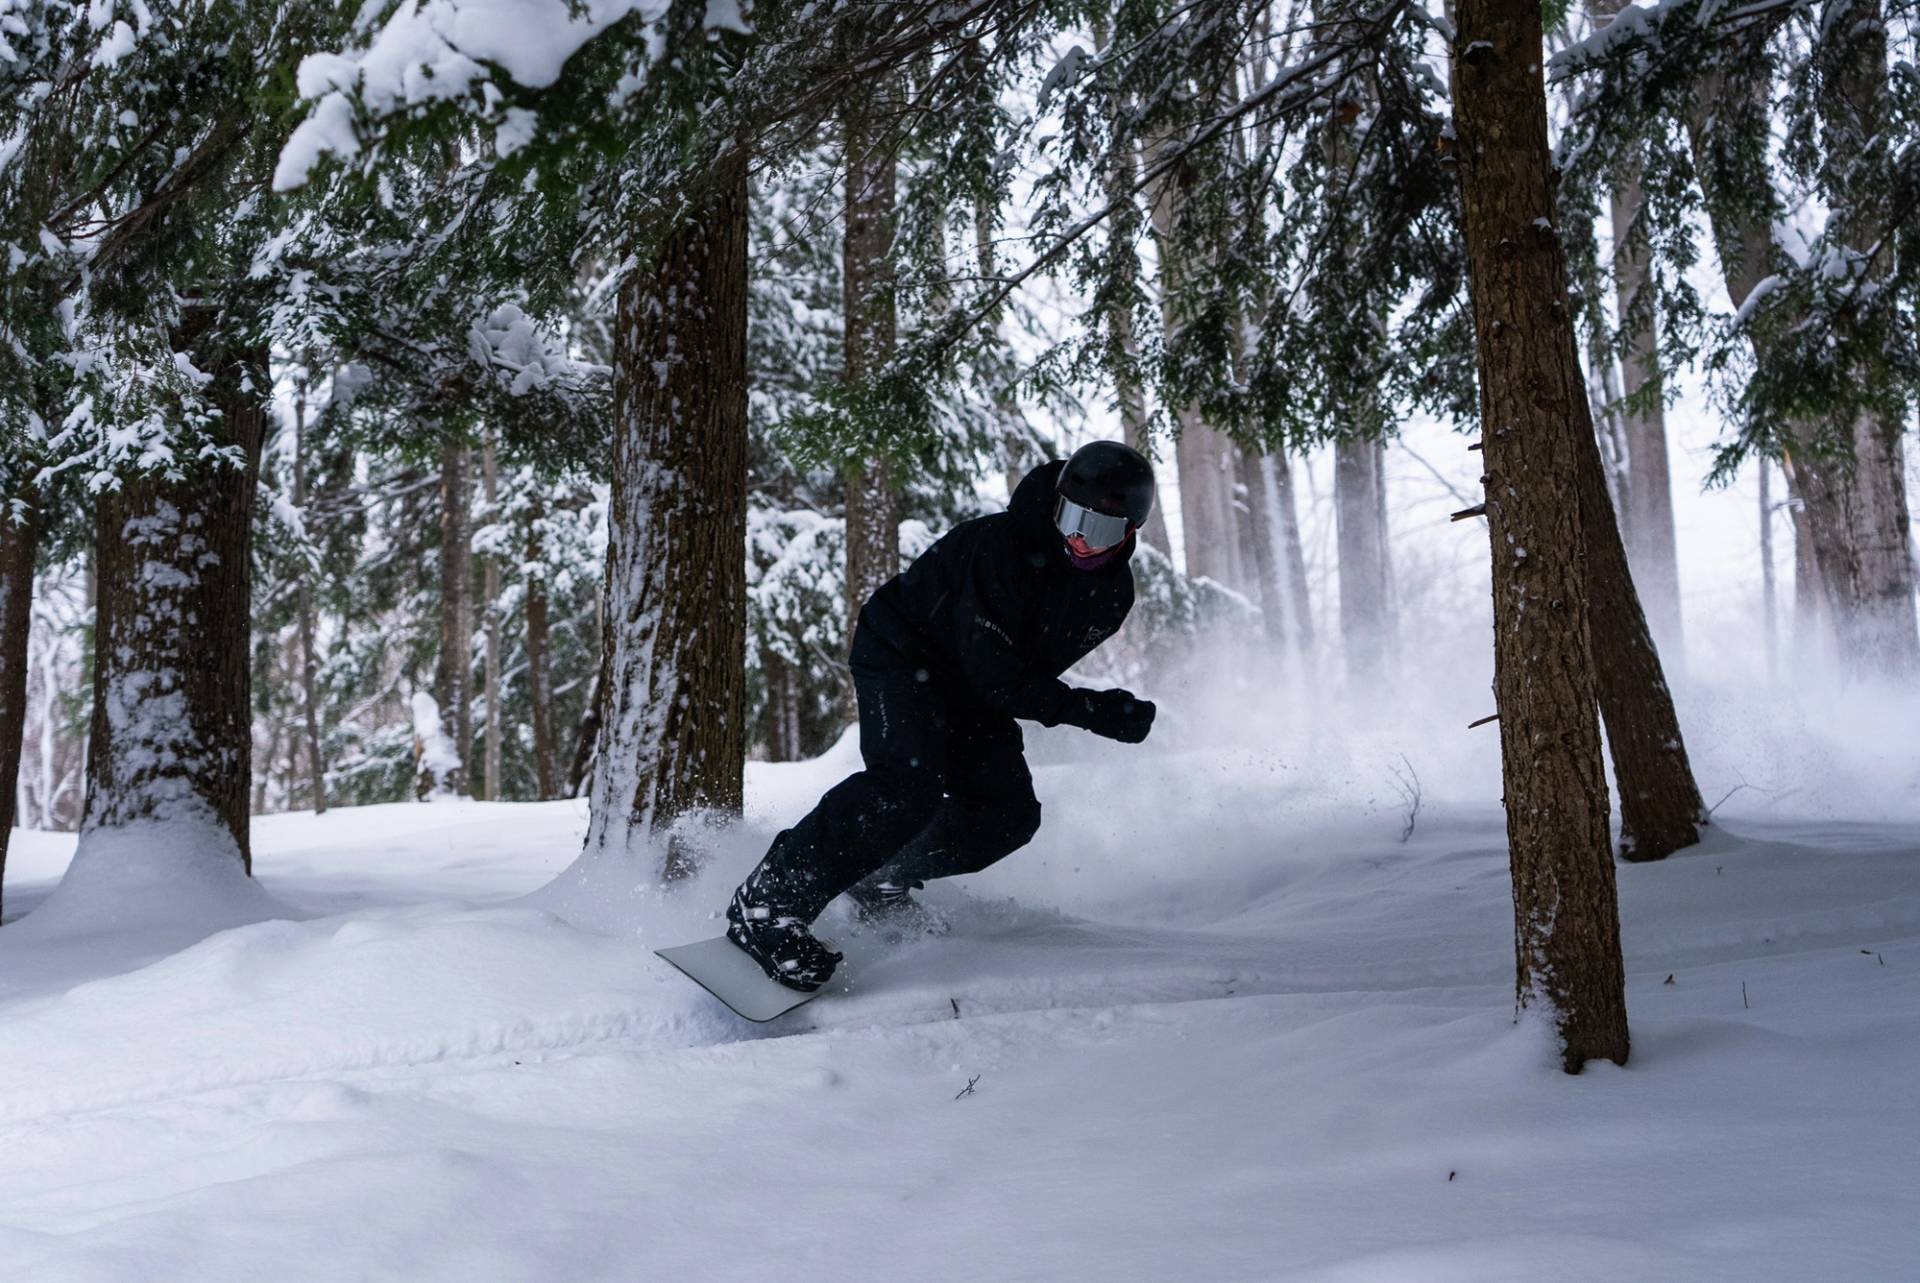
(724, 970)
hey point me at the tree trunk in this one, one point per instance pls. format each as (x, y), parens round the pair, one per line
(1134, 424)
(309, 661)
(1123, 344)
(490, 479)
(1769, 610)
(539, 676)
(1660, 806)
(783, 709)
(172, 715)
(1810, 596)
(19, 545)
(1646, 513)
(1269, 574)
(1852, 513)
(586, 739)
(586, 742)
(1609, 427)
(1366, 623)
(1534, 421)
(873, 495)
(1015, 438)
(265, 780)
(1292, 557)
(1203, 457)
(453, 673)
(673, 734)
(1647, 523)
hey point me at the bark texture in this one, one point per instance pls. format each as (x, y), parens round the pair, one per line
(873, 495)
(1533, 410)
(1291, 557)
(1366, 611)
(539, 669)
(1122, 341)
(490, 604)
(1660, 806)
(1769, 609)
(453, 671)
(309, 660)
(586, 740)
(673, 736)
(1206, 463)
(783, 709)
(1263, 545)
(172, 734)
(19, 545)
(1647, 519)
(1204, 458)
(1810, 610)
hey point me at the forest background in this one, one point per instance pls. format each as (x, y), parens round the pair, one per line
(516, 401)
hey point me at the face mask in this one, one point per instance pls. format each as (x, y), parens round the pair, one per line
(1098, 528)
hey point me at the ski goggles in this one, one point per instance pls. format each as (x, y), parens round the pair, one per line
(1099, 529)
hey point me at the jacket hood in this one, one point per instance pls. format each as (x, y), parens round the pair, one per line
(1032, 511)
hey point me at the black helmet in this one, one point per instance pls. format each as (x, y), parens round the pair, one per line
(1110, 478)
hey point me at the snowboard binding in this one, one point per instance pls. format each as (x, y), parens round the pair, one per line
(890, 908)
(783, 944)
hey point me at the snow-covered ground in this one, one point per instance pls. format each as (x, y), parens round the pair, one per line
(1219, 1021)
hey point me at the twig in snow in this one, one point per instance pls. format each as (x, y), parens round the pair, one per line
(1723, 797)
(1735, 789)
(968, 1089)
(1408, 786)
(1743, 996)
(1871, 954)
(956, 1007)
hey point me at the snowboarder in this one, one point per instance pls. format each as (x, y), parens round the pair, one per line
(946, 656)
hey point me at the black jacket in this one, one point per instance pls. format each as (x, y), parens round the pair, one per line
(997, 604)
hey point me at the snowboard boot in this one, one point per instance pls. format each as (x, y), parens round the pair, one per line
(783, 945)
(890, 907)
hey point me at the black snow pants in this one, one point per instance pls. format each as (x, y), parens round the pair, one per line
(945, 791)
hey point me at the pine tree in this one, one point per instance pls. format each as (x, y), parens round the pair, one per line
(1566, 914)
(873, 503)
(672, 737)
(171, 739)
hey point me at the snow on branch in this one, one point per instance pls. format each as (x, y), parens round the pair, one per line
(434, 51)
(524, 358)
(1638, 28)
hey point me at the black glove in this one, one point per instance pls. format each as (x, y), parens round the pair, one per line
(1115, 714)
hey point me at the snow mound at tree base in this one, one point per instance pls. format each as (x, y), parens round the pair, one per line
(178, 877)
(130, 895)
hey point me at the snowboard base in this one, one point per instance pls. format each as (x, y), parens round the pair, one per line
(724, 970)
